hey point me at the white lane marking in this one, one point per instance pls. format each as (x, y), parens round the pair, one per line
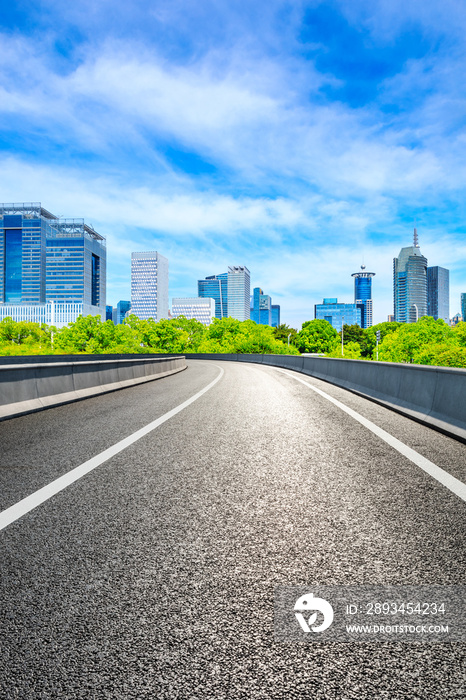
(9, 515)
(451, 483)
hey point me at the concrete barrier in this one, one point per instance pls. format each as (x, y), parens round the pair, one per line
(434, 396)
(27, 386)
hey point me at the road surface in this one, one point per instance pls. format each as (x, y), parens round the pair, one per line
(153, 574)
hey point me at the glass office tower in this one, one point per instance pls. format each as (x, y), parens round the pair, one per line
(239, 291)
(122, 308)
(215, 287)
(410, 284)
(438, 293)
(149, 285)
(262, 309)
(231, 292)
(76, 264)
(44, 260)
(363, 294)
(338, 314)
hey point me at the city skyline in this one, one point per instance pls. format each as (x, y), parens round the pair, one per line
(303, 138)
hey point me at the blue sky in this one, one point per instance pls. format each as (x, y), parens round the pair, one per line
(297, 138)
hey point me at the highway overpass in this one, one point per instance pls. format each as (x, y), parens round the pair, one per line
(146, 530)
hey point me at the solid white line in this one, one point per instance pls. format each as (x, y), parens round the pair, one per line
(9, 515)
(455, 485)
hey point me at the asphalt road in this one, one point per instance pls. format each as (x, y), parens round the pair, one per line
(153, 576)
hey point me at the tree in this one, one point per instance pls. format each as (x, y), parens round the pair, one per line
(351, 351)
(417, 342)
(317, 336)
(369, 340)
(282, 332)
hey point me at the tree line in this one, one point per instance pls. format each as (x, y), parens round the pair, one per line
(428, 342)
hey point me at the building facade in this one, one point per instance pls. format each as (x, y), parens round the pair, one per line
(230, 291)
(46, 259)
(239, 291)
(149, 285)
(215, 287)
(122, 308)
(363, 294)
(438, 293)
(275, 315)
(200, 308)
(337, 314)
(262, 309)
(463, 306)
(410, 284)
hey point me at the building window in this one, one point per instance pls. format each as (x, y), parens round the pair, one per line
(95, 280)
(13, 265)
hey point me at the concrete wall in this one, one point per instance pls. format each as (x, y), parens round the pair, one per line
(435, 396)
(34, 383)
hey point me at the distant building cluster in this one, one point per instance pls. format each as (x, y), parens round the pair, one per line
(357, 313)
(262, 309)
(53, 269)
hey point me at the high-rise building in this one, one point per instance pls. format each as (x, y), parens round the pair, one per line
(410, 284)
(363, 294)
(122, 309)
(438, 293)
(231, 292)
(149, 285)
(239, 290)
(108, 313)
(215, 287)
(75, 263)
(45, 260)
(337, 314)
(262, 309)
(200, 308)
(463, 306)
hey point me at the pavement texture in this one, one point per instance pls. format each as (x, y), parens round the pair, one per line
(154, 575)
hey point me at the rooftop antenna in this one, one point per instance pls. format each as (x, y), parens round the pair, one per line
(416, 239)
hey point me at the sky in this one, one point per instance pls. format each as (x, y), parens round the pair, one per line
(301, 139)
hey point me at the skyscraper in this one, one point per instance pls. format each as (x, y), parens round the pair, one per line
(75, 263)
(410, 284)
(122, 309)
(438, 293)
(231, 292)
(149, 285)
(363, 294)
(262, 309)
(463, 306)
(215, 287)
(239, 291)
(45, 260)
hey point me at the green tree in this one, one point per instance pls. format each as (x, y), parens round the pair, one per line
(282, 332)
(351, 351)
(368, 342)
(416, 342)
(317, 336)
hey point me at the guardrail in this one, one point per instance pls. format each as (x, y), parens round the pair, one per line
(29, 384)
(434, 396)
